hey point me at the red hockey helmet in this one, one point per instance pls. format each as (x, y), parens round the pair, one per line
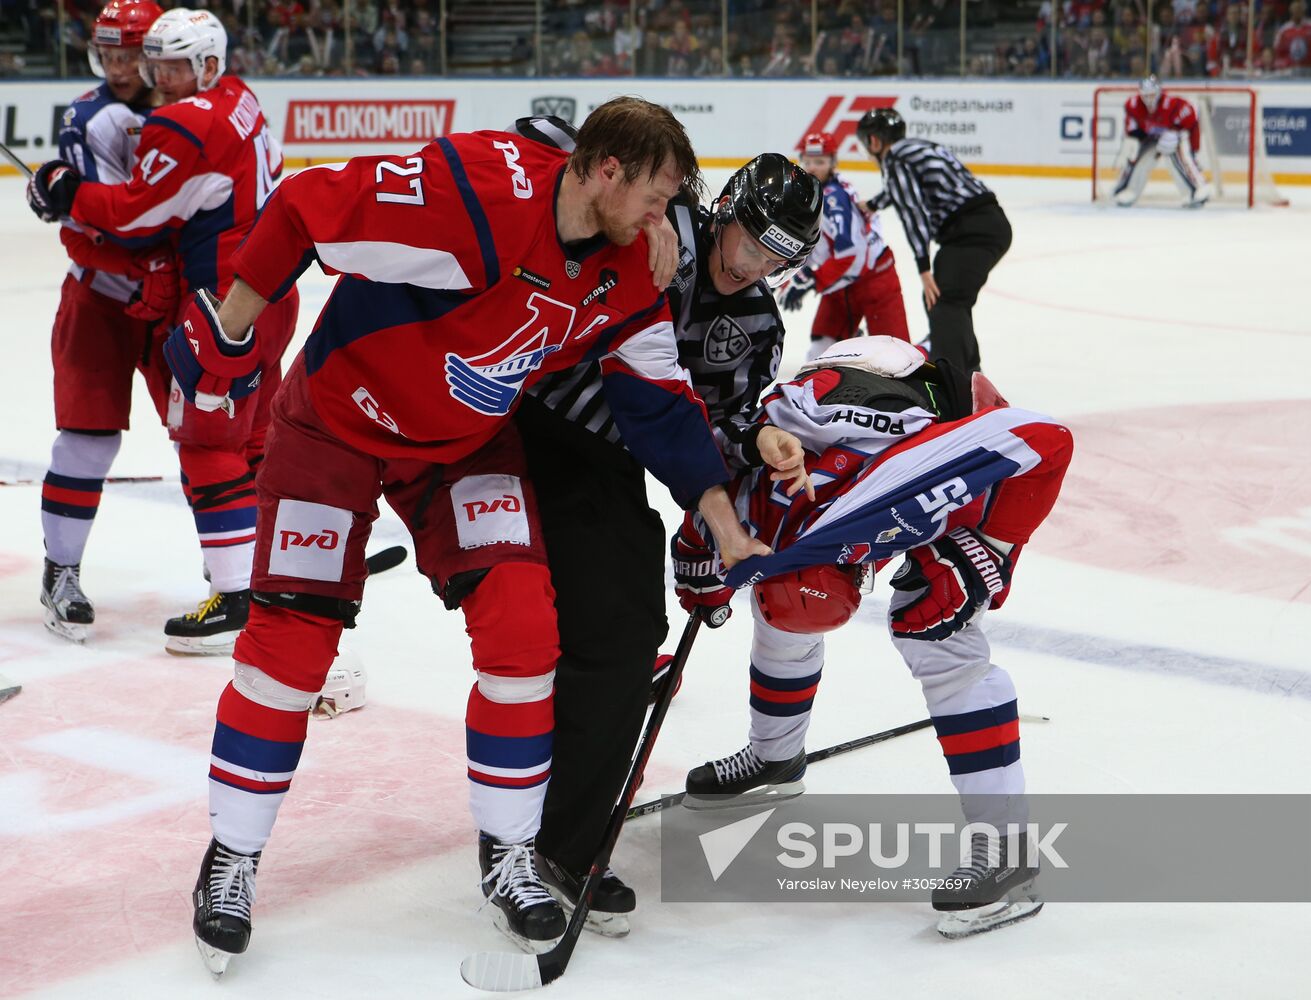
(121, 24)
(819, 144)
(809, 601)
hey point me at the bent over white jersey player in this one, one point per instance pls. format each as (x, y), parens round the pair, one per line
(907, 458)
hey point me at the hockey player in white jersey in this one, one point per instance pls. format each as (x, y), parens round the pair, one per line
(913, 459)
(100, 336)
(851, 267)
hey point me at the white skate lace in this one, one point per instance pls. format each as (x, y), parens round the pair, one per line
(232, 883)
(67, 587)
(742, 764)
(984, 857)
(515, 876)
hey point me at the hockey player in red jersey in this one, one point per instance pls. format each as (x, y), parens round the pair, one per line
(908, 459)
(468, 270)
(851, 267)
(1161, 125)
(98, 338)
(204, 167)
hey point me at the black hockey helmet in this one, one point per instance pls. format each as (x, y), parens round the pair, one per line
(777, 203)
(886, 123)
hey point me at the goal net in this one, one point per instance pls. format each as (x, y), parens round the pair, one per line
(1232, 154)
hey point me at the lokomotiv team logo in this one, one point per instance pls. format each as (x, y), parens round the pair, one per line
(839, 114)
(489, 383)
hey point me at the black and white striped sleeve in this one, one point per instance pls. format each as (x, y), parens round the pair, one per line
(904, 190)
(546, 129)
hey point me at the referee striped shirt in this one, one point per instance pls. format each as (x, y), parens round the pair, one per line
(928, 186)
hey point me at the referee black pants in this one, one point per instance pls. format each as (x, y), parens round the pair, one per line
(606, 548)
(969, 247)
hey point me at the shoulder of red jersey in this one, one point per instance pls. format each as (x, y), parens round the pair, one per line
(192, 118)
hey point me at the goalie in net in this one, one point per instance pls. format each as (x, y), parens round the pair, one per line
(1161, 126)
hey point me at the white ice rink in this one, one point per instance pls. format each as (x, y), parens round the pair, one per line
(1162, 618)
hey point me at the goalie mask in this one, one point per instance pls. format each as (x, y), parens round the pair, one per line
(1149, 90)
(344, 688)
(810, 601)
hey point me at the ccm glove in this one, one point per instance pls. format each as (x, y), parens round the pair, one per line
(211, 370)
(960, 573)
(801, 282)
(51, 190)
(697, 583)
(161, 289)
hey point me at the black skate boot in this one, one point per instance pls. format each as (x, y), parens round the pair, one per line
(210, 630)
(525, 912)
(612, 901)
(224, 894)
(68, 610)
(986, 894)
(744, 779)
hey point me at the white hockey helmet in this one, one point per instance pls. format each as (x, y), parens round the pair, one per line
(1149, 89)
(344, 688)
(194, 35)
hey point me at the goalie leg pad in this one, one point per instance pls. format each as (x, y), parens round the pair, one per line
(1134, 176)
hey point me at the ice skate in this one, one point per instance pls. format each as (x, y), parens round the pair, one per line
(224, 894)
(612, 901)
(68, 609)
(744, 779)
(210, 630)
(522, 908)
(985, 894)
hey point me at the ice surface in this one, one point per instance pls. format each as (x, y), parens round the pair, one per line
(1161, 618)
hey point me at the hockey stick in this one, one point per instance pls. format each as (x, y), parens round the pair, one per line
(387, 559)
(12, 157)
(502, 971)
(109, 480)
(8, 688)
(665, 801)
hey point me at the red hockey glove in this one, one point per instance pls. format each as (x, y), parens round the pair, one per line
(959, 573)
(697, 583)
(661, 674)
(51, 190)
(211, 370)
(161, 288)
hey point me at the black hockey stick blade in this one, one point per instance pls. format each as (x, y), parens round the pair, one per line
(12, 157)
(387, 559)
(8, 688)
(667, 801)
(509, 971)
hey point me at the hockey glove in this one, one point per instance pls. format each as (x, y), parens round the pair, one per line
(157, 298)
(697, 582)
(661, 675)
(211, 370)
(51, 190)
(959, 573)
(801, 283)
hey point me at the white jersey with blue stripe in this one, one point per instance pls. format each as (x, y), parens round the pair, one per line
(850, 242)
(99, 135)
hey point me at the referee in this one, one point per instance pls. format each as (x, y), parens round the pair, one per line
(607, 548)
(938, 199)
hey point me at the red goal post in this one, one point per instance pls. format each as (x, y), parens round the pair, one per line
(1235, 163)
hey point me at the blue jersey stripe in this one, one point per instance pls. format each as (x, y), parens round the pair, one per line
(358, 307)
(174, 126)
(474, 208)
(969, 722)
(253, 753)
(508, 751)
(784, 683)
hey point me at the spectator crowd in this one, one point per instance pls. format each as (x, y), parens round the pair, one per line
(714, 38)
